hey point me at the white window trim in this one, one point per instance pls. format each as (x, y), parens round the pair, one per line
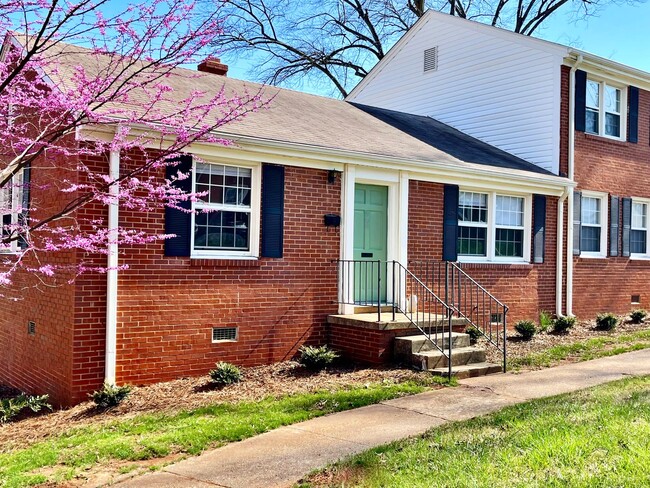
(604, 221)
(491, 229)
(601, 109)
(16, 202)
(255, 216)
(646, 255)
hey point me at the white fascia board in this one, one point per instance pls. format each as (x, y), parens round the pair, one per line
(608, 69)
(507, 35)
(251, 149)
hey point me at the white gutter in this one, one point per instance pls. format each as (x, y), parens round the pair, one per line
(570, 209)
(111, 274)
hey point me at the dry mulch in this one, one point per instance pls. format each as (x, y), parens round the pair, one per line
(190, 393)
(582, 331)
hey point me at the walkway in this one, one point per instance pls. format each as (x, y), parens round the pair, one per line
(281, 457)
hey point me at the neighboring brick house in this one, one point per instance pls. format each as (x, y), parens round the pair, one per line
(382, 176)
(520, 94)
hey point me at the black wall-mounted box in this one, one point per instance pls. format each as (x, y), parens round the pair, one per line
(332, 220)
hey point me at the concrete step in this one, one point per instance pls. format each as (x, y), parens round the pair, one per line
(470, 370)
(429, 360)
(404, 347)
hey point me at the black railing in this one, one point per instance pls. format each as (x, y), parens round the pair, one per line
(468, 298)
(380, 283)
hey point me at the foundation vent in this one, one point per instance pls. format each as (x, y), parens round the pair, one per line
(636, 299)
(31, 327)
(224, 334)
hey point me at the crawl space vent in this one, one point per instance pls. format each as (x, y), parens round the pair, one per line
(431, 59)
(31, 327)
(221, 334)
(636, 299)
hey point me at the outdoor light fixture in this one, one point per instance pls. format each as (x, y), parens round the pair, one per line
(331, 176)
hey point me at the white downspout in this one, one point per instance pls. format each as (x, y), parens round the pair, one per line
(111, 274)
(569, 232)
(560, 253)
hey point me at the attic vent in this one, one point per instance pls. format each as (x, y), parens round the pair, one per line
(431, 59)
(222, 334)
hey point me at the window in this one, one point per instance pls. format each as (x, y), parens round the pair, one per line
(492, 227)
(225, 221)
(639, 229)
(593, 217)
(604, 114)
(10, 207)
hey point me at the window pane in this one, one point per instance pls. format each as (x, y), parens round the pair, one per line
(592, 121)
(472, 207)
(472, 241)
(612, 125)
(612, 99)
(509, 243)
(590, 239)
(639, 215)
(222, 230)
(227, 185)
(593, 94)
(590, 213)
(638, 241)
(510, 211)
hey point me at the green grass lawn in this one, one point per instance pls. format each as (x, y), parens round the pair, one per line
(598, 437)
(584, 350)
(158, 435)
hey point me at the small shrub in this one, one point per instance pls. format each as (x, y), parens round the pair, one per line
(473, 333)
(638, 316)
(545, 321)
(563, 324)
(110, 395)
(225, 374)
(526, 328)
(317, 357)
(606, 321)
(10, 408)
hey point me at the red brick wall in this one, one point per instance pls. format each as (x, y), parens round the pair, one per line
(168, 306)
(620, 169)
(525, 288)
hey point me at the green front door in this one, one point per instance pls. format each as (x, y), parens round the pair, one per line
(370, 242)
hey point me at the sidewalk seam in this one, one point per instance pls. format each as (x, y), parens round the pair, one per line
(195, 479)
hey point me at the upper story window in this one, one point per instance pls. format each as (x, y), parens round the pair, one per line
(604, 109)
(11, 196)
(226, 219)
(639, 228)
(593, 217)
(493, 227)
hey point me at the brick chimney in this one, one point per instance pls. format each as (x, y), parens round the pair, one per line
(214, 66)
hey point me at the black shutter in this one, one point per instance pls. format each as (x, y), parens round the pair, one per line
(577, 227)
(539, 228)
(633, 101)
(272, 211)
(580, 100)
(450, 224)
(24, 214)
(176, 221)
(627, 224)
(614, 234)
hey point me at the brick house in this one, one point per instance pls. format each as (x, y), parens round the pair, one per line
(439, 155)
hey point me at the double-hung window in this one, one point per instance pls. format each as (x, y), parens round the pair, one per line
(493, 227)
(639, 229)
(593, 218)
(11, 196)
(226, 215)
(604, 109)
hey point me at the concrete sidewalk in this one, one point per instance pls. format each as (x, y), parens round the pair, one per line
(283, 456)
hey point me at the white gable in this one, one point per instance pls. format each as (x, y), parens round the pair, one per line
(497, 86)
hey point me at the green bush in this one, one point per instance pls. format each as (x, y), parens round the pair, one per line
(526, 328)
(110, 395)
(638, 316)
(606, 321)
(317, 357)
(473, 333)
(545, 321)
(225, 374)
(563, 324)
(12, 407)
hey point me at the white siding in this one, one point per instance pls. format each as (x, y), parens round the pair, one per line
(497, 86)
